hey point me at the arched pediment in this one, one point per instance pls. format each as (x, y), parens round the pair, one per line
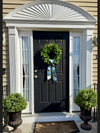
(50, 10)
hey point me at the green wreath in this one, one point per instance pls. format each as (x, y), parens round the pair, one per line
(51, 51)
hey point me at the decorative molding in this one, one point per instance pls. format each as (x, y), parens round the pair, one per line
(50, 10)
(47, 25)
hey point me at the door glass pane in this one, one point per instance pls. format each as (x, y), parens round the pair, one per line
(76, 65)
(25, 67)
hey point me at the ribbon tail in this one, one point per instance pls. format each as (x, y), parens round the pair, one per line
(49, 72)
(54, 74)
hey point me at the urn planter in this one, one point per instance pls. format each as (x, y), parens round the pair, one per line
(13, 104)
(86, 116)
(86, 99)
(14, 120)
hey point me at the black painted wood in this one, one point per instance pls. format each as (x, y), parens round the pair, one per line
(51, 96)
(1, 61)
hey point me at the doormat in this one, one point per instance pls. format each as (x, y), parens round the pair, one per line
(56, 127)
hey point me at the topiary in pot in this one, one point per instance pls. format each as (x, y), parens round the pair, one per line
(13, 104)
(86, 99)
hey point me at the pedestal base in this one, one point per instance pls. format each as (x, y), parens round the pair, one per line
(16, 131)
(86, 126)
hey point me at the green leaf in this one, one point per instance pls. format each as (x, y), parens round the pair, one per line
(14, 102)
(86, 98)
(51, 48)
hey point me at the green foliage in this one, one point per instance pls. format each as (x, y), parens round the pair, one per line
(86, 98)
(53, 49)
(14, 102)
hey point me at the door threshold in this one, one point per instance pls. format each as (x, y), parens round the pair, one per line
(54, 114)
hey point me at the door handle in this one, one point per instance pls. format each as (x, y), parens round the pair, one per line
(35, 76)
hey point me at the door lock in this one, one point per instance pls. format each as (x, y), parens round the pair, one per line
(35, 76)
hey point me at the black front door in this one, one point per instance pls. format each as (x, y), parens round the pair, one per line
(51, 96)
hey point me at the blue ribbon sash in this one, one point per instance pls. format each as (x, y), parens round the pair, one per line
(51, 72)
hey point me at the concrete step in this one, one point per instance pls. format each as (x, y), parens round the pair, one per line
(47, 117)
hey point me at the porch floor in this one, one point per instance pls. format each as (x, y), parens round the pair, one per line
(46, 117)
(29, 121)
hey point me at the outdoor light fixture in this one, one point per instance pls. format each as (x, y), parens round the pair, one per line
(95, 41)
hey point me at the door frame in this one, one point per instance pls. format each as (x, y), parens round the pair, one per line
(85, 34)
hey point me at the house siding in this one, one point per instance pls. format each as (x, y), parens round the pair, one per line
(9, 5)
(5, 62)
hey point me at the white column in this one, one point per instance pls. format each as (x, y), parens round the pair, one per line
(14, 60)
(88, 36)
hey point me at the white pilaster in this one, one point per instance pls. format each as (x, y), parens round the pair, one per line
(88, 46)
(71, 72)
(14, 60)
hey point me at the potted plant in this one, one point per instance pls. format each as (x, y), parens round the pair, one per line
(13, 104)
(86, 99)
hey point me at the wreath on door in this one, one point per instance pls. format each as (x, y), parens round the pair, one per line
(51, 51)
(51, 54)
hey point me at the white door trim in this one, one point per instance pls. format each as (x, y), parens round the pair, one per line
(86, 57)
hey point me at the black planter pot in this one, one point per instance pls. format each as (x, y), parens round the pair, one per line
(85, 115)
(15, 120)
